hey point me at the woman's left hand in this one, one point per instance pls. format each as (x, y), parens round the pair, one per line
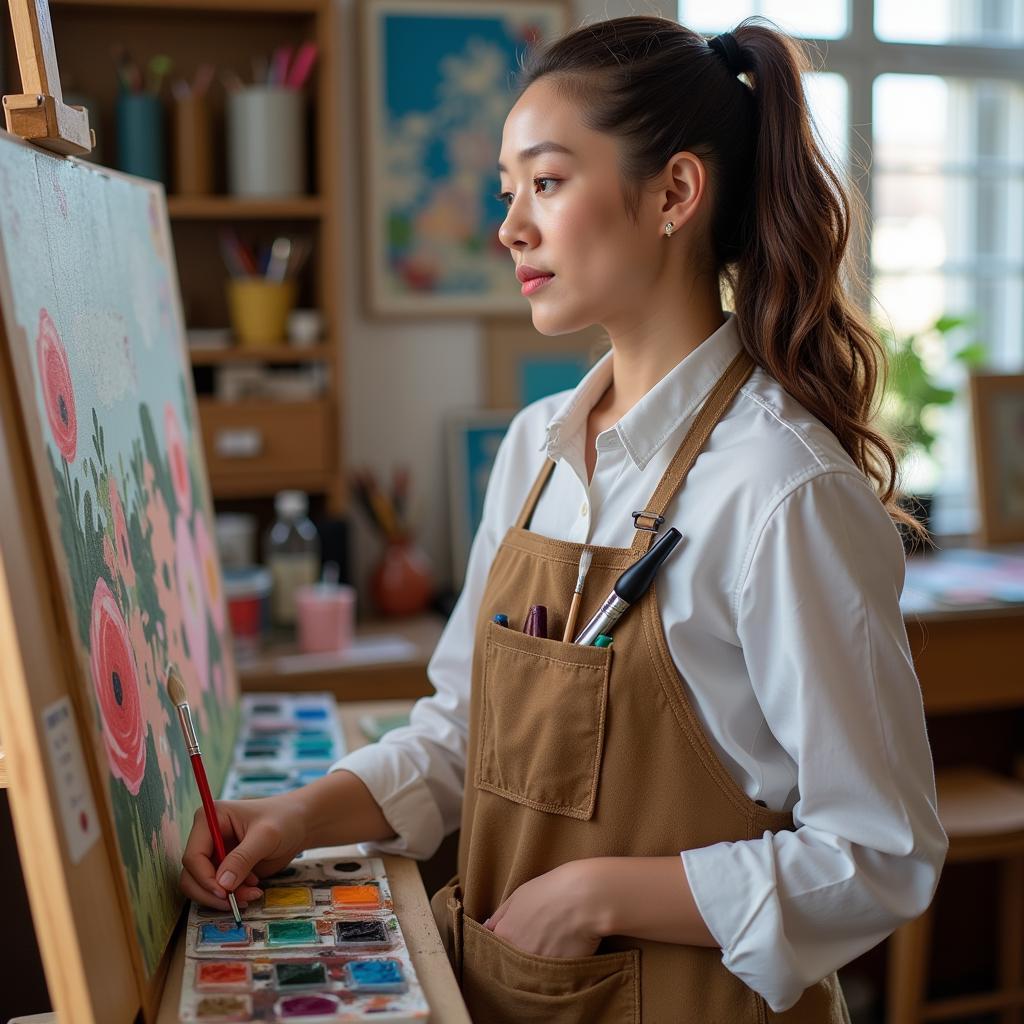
(553, 914)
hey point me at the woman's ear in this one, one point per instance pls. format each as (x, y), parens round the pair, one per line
(683, 190)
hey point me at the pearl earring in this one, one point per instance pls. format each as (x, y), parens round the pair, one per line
(668, 229)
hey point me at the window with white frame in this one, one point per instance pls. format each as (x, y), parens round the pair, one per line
(923, 101)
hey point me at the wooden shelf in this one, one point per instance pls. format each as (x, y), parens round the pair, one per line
(234, 208)
(279, 354)
(229, 34)
(242, 6)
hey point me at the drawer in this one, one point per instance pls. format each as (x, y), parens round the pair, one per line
(248, 440)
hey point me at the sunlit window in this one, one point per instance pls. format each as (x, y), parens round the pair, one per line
(938, 130)
(822, 19)
(978, 22)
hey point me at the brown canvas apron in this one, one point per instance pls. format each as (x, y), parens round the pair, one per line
(581, 752)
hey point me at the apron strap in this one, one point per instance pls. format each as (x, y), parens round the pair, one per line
(526, 514)
(713, 409)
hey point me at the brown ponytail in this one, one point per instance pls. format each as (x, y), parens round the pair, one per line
(782, 215)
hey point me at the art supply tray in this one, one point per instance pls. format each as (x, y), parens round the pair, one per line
(322, 945)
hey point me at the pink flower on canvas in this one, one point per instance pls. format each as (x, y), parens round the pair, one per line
(212, 588)
(193, 606)
(122, 550)
(116, 682)
(58, 393)
(178, 459)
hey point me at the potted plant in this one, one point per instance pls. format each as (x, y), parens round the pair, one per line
(913, 397)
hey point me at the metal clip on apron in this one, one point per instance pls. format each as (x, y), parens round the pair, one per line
(579, 752)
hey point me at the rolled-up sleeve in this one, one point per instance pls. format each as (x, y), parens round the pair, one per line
(818, 616)
(416, 773)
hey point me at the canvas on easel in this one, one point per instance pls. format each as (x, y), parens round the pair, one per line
(109, 491)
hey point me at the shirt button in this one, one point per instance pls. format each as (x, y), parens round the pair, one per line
(584, 510)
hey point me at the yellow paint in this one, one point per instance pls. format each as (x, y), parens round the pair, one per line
(355, 895)
(287, 897)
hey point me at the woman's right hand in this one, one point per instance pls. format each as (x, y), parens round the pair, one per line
(261, 836)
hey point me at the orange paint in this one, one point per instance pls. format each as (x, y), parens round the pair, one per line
(222, 974)
(355, 896)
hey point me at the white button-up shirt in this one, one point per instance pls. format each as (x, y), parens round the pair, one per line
(781, 612)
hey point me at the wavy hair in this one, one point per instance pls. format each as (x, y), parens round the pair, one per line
(782, 216)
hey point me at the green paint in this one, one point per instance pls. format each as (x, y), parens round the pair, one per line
(291, 933)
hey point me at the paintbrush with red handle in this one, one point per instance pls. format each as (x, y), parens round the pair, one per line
(176, 691)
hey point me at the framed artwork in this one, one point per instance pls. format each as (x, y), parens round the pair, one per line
(997, 406)
(523, 365)
(473, 438)
(437, 83)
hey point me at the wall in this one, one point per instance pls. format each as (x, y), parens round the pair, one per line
(402, 377)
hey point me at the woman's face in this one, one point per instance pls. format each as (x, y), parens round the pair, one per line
(567, 217)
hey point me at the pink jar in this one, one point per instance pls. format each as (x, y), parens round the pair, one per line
(325, 616)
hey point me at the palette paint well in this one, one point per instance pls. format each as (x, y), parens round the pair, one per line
(362, 896)
(375, 975)
(223, 976)
(224, 933)
(291, 933)
(291, 976)
(297, 1007)
(361, 934)
(224, 1008)
(288, 898)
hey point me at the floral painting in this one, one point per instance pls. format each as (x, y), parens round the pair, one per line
(439, 81)
(92, 317)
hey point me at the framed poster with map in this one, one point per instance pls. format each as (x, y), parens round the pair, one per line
(438, 81)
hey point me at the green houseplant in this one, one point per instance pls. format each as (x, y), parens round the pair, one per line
(913, 396)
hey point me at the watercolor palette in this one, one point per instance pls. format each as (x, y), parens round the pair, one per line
(285, 740)
(323, 945)
(288, 730)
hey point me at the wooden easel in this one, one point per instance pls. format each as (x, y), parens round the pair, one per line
(78, 906)
(39, 114)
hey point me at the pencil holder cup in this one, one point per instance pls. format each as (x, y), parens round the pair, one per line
(259, 310)
(266, 141)
(193, 147)
(140, 135)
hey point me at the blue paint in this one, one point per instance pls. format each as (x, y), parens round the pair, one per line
(218, 933)
(376, 975)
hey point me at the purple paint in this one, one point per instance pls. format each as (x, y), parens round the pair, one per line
(296, 1007)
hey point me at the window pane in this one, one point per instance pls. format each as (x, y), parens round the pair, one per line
(828, 105)
(948, 204)
(932, 221)
(956, 122)
(815, 19)
(987, 22)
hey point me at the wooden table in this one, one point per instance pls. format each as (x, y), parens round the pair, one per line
(347, 679)
(969, 659)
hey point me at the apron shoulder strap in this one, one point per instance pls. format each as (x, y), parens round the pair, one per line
(526, 513)
(718, 401)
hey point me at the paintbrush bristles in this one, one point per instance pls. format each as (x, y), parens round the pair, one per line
(175, 687)
(585, 559)
(574, 609)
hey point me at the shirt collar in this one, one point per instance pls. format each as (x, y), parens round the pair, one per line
(652, 421)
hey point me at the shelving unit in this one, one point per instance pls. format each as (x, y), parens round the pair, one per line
(299, 441)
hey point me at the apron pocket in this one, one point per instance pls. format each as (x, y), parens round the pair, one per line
(501, 983)
(446, 905)
(542, 721)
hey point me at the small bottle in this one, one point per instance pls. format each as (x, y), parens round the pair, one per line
(293, 553)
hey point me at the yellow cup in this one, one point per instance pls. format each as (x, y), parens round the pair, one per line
(259, 310)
